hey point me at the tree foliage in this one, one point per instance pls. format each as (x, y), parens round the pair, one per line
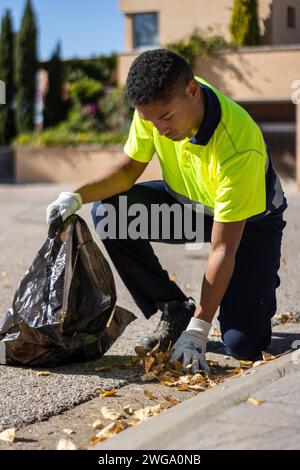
(7, 118)
(26, 69)
(244, 26)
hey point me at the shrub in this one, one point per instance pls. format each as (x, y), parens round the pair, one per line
(198, 44)
(115, 110)
(244, 25)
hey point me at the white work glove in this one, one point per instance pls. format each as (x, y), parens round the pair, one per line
(65, 205)
(190, 347)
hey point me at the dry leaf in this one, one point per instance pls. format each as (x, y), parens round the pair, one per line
(185, 379)
(189, 366)
(258, 363)
(149, 395)
(255, 401)
(236, 371)
(167, 375)
(246, 364)
(268, 357)
(97, 424)
(172, 277)
(175, 374)
(144, 413)
(147, 378)
(196, 387)
(110, 413)
(178, 365)
(43, 373)
(197, 379)
(66, 444)
(183, 388)
(168, 384)
(211, 383)
(157, 370)
(68, 431)
(286, 317)
(107, 393)
(133, 422)
(148, 363)
(140, 352)
(156, 409)
(164, 356)
(111, 430)
(8, 435)
(128, 409)
(172, 400)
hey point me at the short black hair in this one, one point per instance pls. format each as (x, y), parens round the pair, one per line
(155, 75)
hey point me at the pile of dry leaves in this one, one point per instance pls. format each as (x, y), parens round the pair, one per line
(157, 367)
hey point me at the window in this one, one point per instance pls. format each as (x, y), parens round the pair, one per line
(145, 30)
(291, 17)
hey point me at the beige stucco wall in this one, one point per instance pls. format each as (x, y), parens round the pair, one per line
(258, 73)
(178, 19)
(253, 73)
(69, 165)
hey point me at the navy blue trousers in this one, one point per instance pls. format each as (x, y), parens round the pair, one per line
(250, 299)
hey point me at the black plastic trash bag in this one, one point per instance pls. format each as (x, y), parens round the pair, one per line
(64, 309)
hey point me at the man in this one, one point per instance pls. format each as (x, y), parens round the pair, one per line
(212, 153)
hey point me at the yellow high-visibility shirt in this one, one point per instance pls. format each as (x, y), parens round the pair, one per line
(225, 166)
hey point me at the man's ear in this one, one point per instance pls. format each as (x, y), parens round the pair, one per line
(192, 90)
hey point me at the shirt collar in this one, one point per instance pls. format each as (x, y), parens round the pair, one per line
(212, 117)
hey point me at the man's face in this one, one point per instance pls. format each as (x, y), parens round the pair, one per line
(178, 118)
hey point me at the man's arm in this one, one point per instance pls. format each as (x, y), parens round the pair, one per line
(225, 241)
(113, 180)
(191, 345)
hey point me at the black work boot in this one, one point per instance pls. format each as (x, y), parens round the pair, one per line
(174, 319)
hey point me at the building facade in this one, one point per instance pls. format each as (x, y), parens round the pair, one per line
(263, 79)
(159, 22)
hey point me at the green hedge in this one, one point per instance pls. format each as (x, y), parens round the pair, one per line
(65, 138)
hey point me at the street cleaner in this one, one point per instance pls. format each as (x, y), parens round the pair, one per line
(213, 156)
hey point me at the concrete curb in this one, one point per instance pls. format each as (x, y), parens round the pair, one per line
(158, 432)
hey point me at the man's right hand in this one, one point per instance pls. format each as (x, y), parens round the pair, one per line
(190, 347)
(65, 205)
